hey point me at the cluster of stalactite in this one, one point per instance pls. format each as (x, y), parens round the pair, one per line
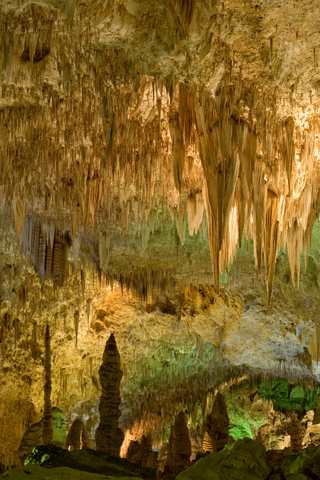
(106, 141)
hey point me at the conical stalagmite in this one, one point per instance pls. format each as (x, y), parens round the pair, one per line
(47, 433)
(295, 433)
(217, 423)
(181, 444)
(109, 437)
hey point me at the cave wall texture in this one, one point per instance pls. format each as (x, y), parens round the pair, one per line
(159, 180)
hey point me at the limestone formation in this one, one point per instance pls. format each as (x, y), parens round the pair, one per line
(295, 434)
(207, 443)
(263, 436)
(246, 460)
(195, 446)
(134, 452)
(181, 445)
(33, 435)
(47, 433)
(217, 423)
(152, 151)
(31, 438)
(109, 437)
(162, 457)
(77, 438)
(147, 455)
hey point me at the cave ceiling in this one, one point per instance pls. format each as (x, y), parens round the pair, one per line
(159, 179)
(136, 116)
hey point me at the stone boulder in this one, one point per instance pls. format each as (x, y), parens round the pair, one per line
(243, 460)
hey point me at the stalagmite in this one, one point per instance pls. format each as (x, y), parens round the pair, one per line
(147, 457)
(134, 452)
(47, 433)
(217, 423)
(207, 443)
(295, 433)
(78, 438)
(181, 445)
(109, 437)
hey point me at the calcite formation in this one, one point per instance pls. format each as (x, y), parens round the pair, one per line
(33, 435)
(134, 452)
(159, 179)
(147, 455)
(109, 436)
(295, 433)
(181, 445)
(47, 433)
(207, 443)
(77, 437)
(217, 423)
(223, 117)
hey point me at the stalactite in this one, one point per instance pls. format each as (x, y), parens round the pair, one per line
(83, 283)
(88, 310)
(16, 325)
(91, 132)
(47, 433)
(35, 334)
(76, 325)
(76, 246)
(271, 239)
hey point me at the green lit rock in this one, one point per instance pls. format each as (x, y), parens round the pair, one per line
(206, 468)
(243, 460)
(307, 463)
(288, 397)
(293, 464)
(311, 465)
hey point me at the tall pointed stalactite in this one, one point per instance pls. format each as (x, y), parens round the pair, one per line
(47, 434)
(271, 239)
(109, 436)
(221, 162)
